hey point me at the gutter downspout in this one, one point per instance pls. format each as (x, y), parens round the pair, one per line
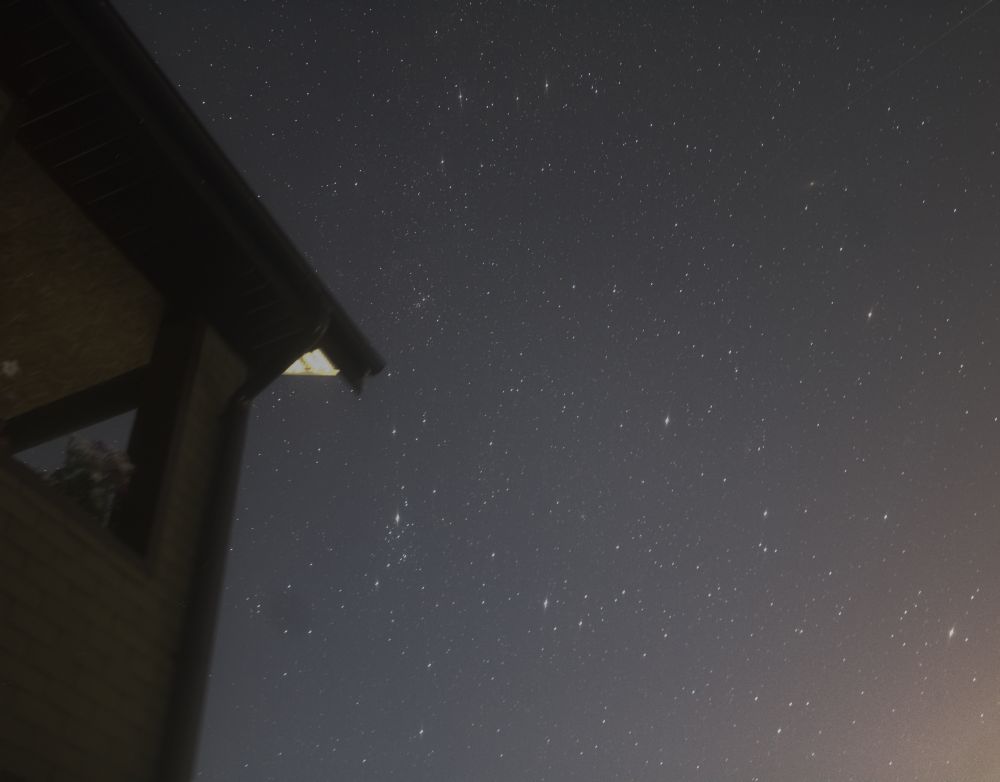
(179, 744)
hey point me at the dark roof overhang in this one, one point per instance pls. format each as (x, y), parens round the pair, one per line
(100, 117)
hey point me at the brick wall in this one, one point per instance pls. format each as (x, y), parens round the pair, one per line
(73, 310)
(88, 629)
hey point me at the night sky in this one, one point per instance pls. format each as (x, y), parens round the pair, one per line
(686, 462)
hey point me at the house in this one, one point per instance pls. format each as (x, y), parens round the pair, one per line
(139, 275)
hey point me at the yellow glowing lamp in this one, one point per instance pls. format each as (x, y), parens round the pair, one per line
(313, 364)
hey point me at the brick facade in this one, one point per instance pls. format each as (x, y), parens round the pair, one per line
(90, 629)
(73, 310)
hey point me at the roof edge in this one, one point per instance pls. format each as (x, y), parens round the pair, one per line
(114, 48)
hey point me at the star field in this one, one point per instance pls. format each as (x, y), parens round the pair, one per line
(685, 463)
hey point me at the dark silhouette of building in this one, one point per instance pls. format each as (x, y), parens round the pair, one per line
(138, 274)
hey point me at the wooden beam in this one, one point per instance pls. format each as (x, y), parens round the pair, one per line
(165, 393)
(76, 411)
